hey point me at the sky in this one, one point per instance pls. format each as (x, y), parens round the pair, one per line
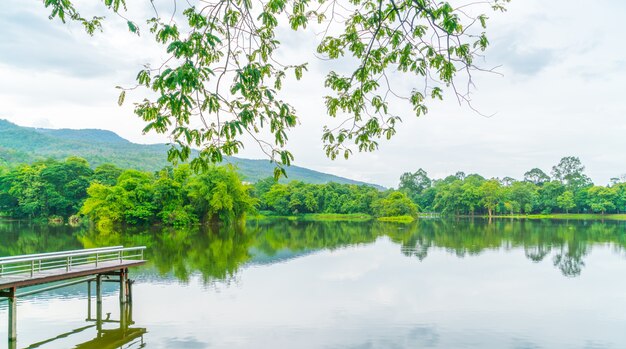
(559, 92)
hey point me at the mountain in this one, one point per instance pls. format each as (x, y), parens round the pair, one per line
(25, 145)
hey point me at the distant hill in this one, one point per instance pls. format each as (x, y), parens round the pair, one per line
(25, 145)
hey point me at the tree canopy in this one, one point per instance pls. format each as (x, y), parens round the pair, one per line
(222, 76)
(570, 190)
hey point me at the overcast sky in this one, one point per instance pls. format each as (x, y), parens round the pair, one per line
(561, 93)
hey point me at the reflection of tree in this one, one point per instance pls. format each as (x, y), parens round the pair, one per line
(536, 253)
(274, 236)
(569, 241)
(218, 252)
(569, 264)
(18, 238)
(573, 247)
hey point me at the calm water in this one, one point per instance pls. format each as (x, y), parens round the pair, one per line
(283, 284)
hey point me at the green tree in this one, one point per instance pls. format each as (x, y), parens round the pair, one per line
(169, 198)
(303, 198)
(29, 191)
(524, 194)
(566, 201)
(394, 204)
(218, 195)
(106, 174)
(66, 185)
(261, 187)
(491, 194)
(277, 199)
(570, 171)
(223, 73)
(129, 201)
(104, 204)
(620, 196)
(507, 181)
(413, 184)
(449, 196)
(536, 176)
(44, 189)
(137, 196)
(470, 192)
(548, 193)
(601, 199)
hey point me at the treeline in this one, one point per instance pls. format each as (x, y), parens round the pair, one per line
(49, 189)
(567, 190)
(107, 194)
(71, 189)
(301, 198)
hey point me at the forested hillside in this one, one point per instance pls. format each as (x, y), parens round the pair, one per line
(19, 145)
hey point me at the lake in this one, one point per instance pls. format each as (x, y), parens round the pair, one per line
(287, 284)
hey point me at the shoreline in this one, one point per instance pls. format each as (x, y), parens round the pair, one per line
(559, 216)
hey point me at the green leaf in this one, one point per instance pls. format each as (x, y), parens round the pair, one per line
(132, 27)
(120, 99)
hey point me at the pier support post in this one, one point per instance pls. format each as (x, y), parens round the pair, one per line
(124, 317)
(12, 316)
(99, 303)
(98, 288)
(123, 285)
(130, 290)
(89, 299)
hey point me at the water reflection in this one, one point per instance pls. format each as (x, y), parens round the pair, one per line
(217, 253)
(110, 333)
(361, 285)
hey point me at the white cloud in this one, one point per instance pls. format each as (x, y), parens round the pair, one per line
(561, 93)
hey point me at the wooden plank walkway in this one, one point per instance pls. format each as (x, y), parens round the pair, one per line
(59, 274)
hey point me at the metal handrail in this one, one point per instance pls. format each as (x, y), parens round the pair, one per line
(28, 258)
(8, 258)
(68, 259)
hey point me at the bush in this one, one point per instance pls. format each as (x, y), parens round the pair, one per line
(395, 204)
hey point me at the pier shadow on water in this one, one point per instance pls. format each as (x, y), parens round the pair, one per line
(103, 331)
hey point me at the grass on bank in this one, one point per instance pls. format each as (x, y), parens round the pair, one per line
(573, 216)
(397, 219)
(333, 217)
(352, 217)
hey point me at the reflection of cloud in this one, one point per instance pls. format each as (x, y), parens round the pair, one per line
(524, 344)
(366, 345)
(417, 337)
(597, 345)
(187, 343)
(385, 295)
(350, 272)
(424, 336)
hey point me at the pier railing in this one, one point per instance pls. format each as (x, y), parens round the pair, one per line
(68, 260)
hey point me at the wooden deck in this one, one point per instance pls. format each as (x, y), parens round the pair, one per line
(60, 274)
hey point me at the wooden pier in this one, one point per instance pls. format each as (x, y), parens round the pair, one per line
(66, 268)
